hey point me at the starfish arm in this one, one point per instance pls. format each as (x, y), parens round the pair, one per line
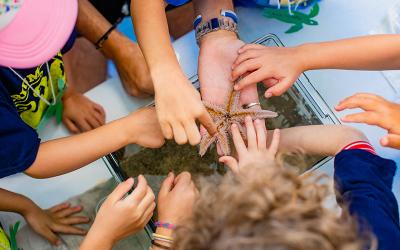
(255, 114)
(223, 140)
(205, 143)
(214, 110)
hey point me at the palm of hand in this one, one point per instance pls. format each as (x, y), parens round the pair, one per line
(215, 68)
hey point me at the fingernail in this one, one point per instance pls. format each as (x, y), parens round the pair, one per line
(268, 95)
(384, 141)
(169, 174)
(234, 126)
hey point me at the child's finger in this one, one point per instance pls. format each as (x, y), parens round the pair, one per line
(67, 229)
(230, 162)
(252, 78)
(270, 82)
(68, 211)
(183, 178)
(139, 192)
(391, 140)
(179, 133)
(193, 133)
(59, 207)
(147, 200)
(83, 124)
(50, 236)
(251, 134)
(167, 185)
(368, 117)
(208, 123)
(358, 101)
(274, 146)
(249, 54)
(92, 121)
(249, 46)
(121, 190)
(73, 220)
(238, 140)
(71, 126)
(166, 130)
(246, 66)
(261, 134)
(281, 87)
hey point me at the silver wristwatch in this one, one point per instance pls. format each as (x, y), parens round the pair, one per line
(214, 24)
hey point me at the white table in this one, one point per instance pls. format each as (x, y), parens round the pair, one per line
(337, 19)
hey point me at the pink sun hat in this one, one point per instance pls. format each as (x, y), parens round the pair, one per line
(34, 31)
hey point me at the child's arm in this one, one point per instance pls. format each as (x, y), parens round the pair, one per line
(324, 140)
(47, 223)
(280, 67)
(178, 102)
(67, 154)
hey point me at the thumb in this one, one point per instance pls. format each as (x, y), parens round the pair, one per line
(167, 185)
(391, 140)
(279, 88)
(121, 190)
(230, 162)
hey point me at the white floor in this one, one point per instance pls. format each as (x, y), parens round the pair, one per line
(337, 19)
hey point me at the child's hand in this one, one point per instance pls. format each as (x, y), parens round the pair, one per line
(256, 151)
(81, 114)
(176, 198)
(145, 129)
(58, 219)
(178, 107)
(120, 216)
(377, 111)
(277, 68)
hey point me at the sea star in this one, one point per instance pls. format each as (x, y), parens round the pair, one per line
(226, 115)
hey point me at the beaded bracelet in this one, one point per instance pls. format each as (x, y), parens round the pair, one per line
(159, 236)
(166, 225)
(160, 245)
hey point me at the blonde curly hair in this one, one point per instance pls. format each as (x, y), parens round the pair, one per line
(268, 208)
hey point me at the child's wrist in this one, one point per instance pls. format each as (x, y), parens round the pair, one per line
(304, 57)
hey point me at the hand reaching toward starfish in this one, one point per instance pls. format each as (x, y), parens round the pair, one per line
(224, 116)
(256, 152)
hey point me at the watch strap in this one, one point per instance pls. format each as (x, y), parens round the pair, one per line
(215, 24)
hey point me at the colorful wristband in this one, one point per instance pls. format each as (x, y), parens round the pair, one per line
(159, 236)
(166, 225)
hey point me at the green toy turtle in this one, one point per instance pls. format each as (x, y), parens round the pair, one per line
(296, 18)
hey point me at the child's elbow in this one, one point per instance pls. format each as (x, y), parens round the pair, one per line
(352, 134)
(348, 135)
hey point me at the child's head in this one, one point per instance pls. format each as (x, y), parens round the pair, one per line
(268, 207)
